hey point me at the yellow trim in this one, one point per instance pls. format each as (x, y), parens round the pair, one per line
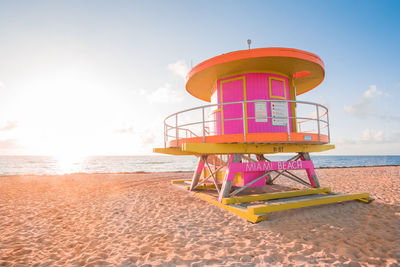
(172, 151)
(261, 209)
(243, 78)
(179, 181)
(249, 148)
(240, 212)
(270, 88)
(366, 200)
(277, 195)
(238, 178)
(205, 187)
(215, 111)
(253, 71)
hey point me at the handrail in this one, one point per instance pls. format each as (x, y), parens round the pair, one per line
(204, 130)
(247, 101)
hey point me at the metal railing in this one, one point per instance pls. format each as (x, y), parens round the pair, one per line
(311, 118)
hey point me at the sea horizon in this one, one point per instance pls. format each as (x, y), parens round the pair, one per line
(51, 165)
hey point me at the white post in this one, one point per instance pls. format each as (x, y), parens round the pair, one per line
(319, 130)
(177, 130)
(165, 135)
(329, 132)
(288, 123)
(204, 129)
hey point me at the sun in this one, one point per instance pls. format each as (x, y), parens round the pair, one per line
(69, 163)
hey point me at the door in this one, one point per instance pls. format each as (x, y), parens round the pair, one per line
(233, 90)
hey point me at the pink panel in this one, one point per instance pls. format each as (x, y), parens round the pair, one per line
(271, 166)
(277, 88)
(250, 176)
(257, 88)
(253, 170)
(232, 91)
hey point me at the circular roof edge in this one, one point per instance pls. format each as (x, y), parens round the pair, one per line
(201, 78)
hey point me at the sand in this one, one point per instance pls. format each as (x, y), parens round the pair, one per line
(141, 220)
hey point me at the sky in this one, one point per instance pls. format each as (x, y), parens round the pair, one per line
(99, 77)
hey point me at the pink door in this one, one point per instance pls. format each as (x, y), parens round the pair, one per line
(232, 91)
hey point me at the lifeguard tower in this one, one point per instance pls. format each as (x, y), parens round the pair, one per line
(254, 112)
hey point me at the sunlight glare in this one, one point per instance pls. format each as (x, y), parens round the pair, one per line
(69, 163)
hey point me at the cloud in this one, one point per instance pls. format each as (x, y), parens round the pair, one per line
(179, 68)
(371, 136)
(392, 138)
(368, 137)
(128, 130)
(380, 137)
(148, 138)
(142, 92)
(365, 108)
(373, 92)
(147, 135)
(10, 125)
(165, 94)
(9, 144)
(344, 141)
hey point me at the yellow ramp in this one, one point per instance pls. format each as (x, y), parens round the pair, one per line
(294, 204)
(254, 208)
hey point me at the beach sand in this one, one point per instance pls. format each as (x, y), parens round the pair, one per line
(140, 219)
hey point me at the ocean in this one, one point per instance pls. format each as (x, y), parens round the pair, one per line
(21, 165)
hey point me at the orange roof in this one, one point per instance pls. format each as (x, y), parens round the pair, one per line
(309, 67)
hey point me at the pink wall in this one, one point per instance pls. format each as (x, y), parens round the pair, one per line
(257, 88)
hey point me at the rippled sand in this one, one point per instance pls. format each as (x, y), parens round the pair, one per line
(139, 219)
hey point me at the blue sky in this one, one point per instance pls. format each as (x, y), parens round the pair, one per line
(98, 77)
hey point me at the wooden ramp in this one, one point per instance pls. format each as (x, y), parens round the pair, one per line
(255, 208)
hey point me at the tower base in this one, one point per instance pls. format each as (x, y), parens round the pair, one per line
(256, 207)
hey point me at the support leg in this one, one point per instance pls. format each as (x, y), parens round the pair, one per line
(197, 173)
(268, 179)
(312, 176)
(229, 176)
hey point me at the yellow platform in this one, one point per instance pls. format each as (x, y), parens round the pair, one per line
(242, 148)
(255, 207)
